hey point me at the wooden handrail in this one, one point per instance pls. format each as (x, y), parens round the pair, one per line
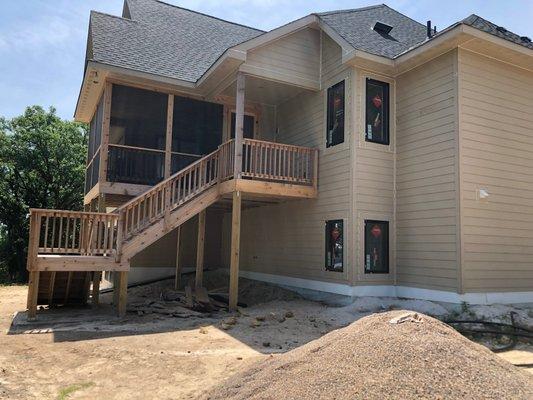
(103, 234)
(72, 232)
(279, 162)
(159, 201)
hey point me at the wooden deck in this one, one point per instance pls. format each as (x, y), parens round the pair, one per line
(91, 242)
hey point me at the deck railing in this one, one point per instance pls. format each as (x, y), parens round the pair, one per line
(93, 233)
(169, 194)
(278, 162)
(72, 232)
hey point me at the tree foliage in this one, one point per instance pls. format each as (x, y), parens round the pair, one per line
(42, 165)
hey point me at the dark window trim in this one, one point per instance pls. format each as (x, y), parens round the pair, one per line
(386, 107)
(386, 245)
(328, 114)
(326, 242)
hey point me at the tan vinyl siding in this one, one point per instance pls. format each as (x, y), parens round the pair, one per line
(496, 123)
(374, 181)
(294, 56)
(288, 238)
(426, 180)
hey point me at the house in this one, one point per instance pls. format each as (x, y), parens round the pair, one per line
(356, 152)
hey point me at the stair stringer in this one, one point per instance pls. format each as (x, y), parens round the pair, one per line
(179, 216)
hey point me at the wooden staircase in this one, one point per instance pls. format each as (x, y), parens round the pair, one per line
(69, 249)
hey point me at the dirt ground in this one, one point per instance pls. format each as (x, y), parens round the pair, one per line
(87, 353)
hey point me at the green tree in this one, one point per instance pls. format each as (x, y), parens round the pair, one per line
(42, 165)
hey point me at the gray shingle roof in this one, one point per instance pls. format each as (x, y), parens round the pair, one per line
(482, 24)
(163, 39)
(355, 27)
(174, 42)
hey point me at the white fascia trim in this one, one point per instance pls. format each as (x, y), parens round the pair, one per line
(393, 291)
(140, 74)
(277, 33)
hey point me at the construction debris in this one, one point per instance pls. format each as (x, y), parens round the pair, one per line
(408, 317)
(193, 302)
(368, 359)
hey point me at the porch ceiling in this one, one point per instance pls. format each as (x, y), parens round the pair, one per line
(265, 91)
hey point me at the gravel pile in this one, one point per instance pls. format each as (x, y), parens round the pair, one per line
(375, 359)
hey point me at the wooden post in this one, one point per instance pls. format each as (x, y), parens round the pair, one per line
(51, 288)
(168, 145)
(235, 251)
(122, 278)
(116, 288)
(33, 293)
(97, 277)
(33, 281)
(177, 280)
(200, 250)
(104, 147)
(239, 124)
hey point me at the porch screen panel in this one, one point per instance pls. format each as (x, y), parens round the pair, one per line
(140, 167)
(248, 127)
(196, 126)
(137, 136)
(93, 150)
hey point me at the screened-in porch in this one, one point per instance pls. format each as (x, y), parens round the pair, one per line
(139, 136)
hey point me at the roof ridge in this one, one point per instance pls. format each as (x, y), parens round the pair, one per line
(114, 16)
(210, 16)
(351, 9)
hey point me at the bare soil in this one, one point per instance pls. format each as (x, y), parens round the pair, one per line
(90, 353)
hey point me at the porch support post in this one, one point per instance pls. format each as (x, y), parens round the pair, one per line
(33, 293)
(104, 147)
(168, 145)
(177, 280)
(97, 277)
(235, 251)
(239, 124)
(122, 279)
(200, 250)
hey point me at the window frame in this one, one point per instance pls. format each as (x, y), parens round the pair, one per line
(386, 108)
(386, 246)
(330, 91)
(327, 243)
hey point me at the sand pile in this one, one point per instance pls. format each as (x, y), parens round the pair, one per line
(375, 359)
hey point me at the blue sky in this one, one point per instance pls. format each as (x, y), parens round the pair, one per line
(42, 42)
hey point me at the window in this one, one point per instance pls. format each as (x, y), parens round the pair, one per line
(377, 112)
(334, 246)
(376, 247)
(335, 124)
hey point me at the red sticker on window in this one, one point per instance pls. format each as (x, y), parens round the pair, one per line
(376, 231)
(377, 101)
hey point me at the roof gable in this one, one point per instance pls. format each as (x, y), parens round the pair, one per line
(163, 39)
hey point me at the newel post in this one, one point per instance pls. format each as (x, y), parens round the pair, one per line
(33, 246)
(239, 124)
(120, 235)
